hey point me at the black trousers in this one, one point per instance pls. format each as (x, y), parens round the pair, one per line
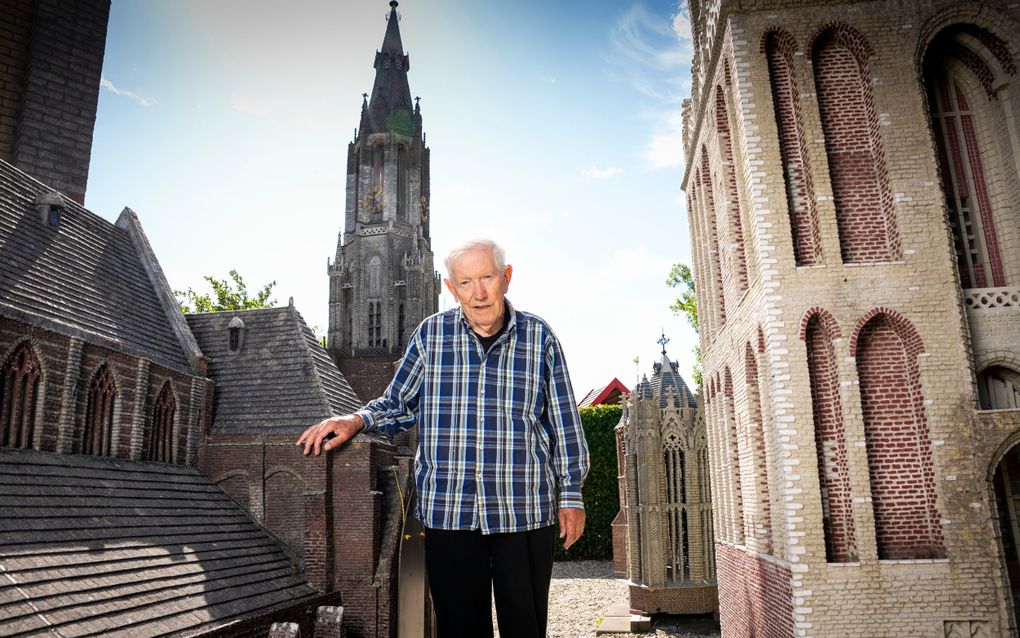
(465, 568)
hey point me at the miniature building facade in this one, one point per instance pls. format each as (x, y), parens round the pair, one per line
(852, 186)
(666, 498)
(382, 281)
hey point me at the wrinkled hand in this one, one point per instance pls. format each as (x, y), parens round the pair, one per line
(571, 525)
(343, 428)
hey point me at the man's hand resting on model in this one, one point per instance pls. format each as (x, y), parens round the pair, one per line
(341, 428)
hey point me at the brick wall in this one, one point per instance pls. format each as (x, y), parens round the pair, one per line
(15, 27)
(56, 109)
(755, 595)
(68, 368)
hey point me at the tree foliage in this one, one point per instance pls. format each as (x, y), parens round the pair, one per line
(225, 296)
(680, 276)
(601, 491)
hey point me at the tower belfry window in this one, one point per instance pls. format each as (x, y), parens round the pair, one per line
(402, 183)
(235, 334)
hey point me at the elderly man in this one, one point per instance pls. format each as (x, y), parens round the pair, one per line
(501, 450)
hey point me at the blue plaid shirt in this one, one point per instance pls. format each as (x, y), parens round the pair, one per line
(500, 439)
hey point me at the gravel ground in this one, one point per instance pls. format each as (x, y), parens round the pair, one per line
(581, 593)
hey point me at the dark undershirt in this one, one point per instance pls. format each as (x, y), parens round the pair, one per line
(488, 341)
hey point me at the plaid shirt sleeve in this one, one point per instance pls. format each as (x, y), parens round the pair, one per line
(563, 423)
(395, 411)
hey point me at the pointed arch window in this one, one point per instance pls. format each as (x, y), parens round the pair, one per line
(900, 461)
(402, 172)
(830, 439)
(161, 446)
(378, 153)
(779, 49)
(960, 69)
(19, 394)
(375, 339)
(860, 189)
(98, 433)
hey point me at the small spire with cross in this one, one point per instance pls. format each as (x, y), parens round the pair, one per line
(663, 341)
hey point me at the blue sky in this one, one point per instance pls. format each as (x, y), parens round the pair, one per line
(554, 129)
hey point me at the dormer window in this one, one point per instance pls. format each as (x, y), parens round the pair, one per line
(50, 206)
(235, 334)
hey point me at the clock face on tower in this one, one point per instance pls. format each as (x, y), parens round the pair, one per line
(424, 208)
(373, 202)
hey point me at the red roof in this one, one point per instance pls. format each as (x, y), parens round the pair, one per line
(607, 395)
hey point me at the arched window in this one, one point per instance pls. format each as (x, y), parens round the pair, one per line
(378, 153)
(375, 339)
(733, 460)
(709, 211)
(762, 517)
(375, 276)
(960, 71)
(900, 460)
(830, 439)
(19, 394)
(161, 447)
(402, 172)
(853, 145)
(999, 389)
(98, 434)
(779, 49)
(736, 229)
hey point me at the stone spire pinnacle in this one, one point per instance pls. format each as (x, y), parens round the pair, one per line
(390, 108)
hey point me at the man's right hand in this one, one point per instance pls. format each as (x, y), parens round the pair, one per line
(343, 428)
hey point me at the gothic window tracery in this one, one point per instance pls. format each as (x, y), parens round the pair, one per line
(161, 446)
(98, 432)
(959, 73)
(19, 394)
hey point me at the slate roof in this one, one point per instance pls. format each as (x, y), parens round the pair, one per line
(391, 94)
(86, 278)
(281, 379)
(100, 546)
(666, 375)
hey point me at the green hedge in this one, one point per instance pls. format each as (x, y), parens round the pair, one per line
(601, 492)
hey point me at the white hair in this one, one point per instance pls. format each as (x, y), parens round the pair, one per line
(498, 255)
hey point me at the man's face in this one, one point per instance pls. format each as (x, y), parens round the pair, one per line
(479, 287)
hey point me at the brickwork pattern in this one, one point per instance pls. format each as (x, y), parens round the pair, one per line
(830, 439)
(15, 28)
(907, 519)
(856, 166)
(779, 49)
(755, 595)
(57, 107)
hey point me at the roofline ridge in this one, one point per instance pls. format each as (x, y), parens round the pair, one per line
(299, 321)
(128, 221)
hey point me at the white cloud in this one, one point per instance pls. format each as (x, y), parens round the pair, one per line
(665, 149)
(653, 54)
(142, 100)
(601, 173)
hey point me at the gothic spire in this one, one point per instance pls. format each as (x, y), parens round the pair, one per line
(390, 108)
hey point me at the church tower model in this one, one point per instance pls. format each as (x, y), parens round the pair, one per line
(382, 282)
(852, 180)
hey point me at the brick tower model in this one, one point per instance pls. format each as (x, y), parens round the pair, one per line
(382, 282)
(852, 187)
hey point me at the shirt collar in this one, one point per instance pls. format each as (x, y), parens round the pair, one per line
(511, 316)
